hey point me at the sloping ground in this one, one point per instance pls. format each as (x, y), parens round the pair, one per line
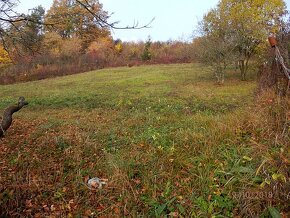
(166, 138)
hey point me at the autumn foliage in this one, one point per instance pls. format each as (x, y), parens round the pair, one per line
(66, 56)
(72, 41)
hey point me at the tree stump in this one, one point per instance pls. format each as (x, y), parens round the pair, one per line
(6, 120)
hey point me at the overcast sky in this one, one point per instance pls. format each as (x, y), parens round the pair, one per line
(173, 19)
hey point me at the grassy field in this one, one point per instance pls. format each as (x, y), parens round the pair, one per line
(168, 140)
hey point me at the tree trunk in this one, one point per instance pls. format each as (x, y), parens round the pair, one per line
(243, 69)
(7, 115)
(219, 73)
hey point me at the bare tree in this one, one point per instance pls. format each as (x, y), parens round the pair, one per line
(214, 45)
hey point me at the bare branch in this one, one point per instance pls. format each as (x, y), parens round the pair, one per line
(102, 21)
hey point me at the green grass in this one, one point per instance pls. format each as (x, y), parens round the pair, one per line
(168, 139)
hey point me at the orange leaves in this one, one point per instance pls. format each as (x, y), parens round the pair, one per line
(28, 204)
(104, 44)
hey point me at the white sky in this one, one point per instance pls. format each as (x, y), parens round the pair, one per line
(173, 19)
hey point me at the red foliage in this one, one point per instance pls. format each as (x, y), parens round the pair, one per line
(98, 55)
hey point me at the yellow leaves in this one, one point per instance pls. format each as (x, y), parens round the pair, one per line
(54, 45)
(251, 16)
(279, 177)
(266, 181)
(241, 24)
(51, 43)
(217, 192)
(4, 56)
(119, 47)
(247, 158)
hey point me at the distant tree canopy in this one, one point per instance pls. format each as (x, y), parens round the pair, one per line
(73, 36)
(70, 19)
(25, 37)
(18, 29)
(83, 19)
(238, 29)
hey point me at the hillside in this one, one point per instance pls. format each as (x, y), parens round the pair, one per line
(167, 139)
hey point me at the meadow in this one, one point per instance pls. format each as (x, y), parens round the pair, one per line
(167, 139)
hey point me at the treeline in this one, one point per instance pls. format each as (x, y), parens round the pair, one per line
(65, 57)
(68, 39)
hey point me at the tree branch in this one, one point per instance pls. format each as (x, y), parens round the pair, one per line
(7, 115)
(103, 23)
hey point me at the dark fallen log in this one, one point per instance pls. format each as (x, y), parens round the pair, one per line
(6, 120)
